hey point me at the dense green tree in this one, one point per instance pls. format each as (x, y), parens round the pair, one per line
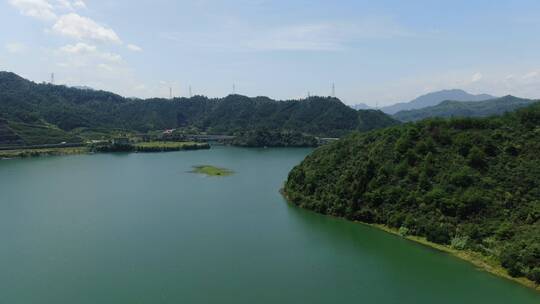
(272, 138)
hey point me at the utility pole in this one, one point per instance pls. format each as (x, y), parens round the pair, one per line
(333, 90)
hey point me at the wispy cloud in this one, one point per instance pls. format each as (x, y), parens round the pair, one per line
(322, 36)
(308, 37)
(46, 10)
(71, 5)
(82, 52)
(40, 9)
(477, 77)
(531, 75)
(134, 48)
(15, 47)
(78, 48)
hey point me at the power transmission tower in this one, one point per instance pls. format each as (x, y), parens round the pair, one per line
(170, 92)
(190, 93)
(234, 88)
(333, 90)
(52, 78)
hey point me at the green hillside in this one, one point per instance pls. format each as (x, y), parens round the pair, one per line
(22, 101)
(7, 136)
(374, 119)
(469, 183)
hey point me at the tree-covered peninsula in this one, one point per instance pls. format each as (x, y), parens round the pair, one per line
(472, 184)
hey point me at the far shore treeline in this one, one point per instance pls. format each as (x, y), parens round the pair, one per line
(32, 113)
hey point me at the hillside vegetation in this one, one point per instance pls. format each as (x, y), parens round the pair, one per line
(266, 138)
(469, 183)
(68, 109)
(374, 119)
(448, 109)
(7, 136)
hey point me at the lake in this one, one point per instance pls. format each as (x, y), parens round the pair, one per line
(139, 228)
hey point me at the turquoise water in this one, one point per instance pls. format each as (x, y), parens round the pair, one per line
(138, 228)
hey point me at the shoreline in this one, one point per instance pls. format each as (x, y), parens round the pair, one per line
(481, 262)
(31, 153)
(63, 151)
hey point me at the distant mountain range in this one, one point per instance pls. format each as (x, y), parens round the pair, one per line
(427, 100)
(451, 108)
(45, 113)
(433, 99)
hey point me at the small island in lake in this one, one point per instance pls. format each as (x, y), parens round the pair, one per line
(211, 170)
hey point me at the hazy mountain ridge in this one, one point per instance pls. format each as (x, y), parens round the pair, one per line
(451, 108)
(434, 98)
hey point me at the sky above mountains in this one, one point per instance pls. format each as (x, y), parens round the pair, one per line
(376, 52)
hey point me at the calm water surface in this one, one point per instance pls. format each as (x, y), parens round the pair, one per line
(137, 228)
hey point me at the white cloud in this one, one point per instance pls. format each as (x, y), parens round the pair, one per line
(83, 28)
(40, 9)
(15, 47)
(86, 52)
(134, 48)
(78, 48)
(46, 9)
(71, 5)
(79, 4)
(477, 77)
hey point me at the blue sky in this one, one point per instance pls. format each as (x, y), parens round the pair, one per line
(376, 52)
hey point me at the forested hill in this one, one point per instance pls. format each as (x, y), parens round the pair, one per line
(449, 108)
(471, 183)
(24, 101)
(374, 119)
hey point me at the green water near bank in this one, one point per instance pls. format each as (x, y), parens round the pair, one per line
(139, 228)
